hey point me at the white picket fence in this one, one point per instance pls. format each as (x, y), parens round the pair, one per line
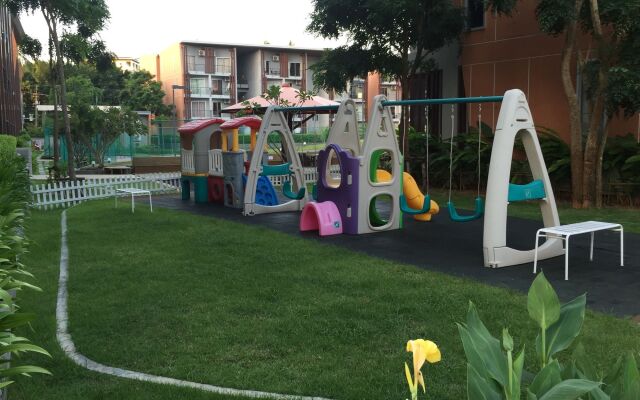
(66, 194)
(310, 175)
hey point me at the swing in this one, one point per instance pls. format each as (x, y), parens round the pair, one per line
(426, 205)
(479, 203)
(283, 169)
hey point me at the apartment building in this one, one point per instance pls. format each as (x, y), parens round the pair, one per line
(10, 71)
(202, 78)
(127, 63)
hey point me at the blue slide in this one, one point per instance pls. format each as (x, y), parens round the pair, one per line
(265, 193)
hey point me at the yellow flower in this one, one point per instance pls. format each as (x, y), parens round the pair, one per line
(423, 350)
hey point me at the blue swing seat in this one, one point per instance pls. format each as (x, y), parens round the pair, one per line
(404, 206)
(533, 190)
(478, 212)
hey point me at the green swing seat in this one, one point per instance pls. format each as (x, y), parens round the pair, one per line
(404, 206)
(533, 190)
(283, 169)
(478, 212)
(286, 190)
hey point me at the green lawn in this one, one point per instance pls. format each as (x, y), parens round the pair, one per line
(218, 302)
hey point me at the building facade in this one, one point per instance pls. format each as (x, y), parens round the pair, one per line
(202, 78)
(10, 74)
(498, 53)
(127, 63)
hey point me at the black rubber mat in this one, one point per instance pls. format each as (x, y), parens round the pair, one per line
(456, 249)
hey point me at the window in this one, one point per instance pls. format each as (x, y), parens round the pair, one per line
(294, 69)
(475, 14)
(195, 63)
(216, 109)
(223, 65)
(198, 86)
(384, 91)
(199, 109)
(272, 68)
(216, 86)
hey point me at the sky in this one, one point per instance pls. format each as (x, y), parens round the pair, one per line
(139, 27)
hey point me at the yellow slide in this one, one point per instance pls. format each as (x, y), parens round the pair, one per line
(415, 198)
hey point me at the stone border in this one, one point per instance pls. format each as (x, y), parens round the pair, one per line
(69, 348)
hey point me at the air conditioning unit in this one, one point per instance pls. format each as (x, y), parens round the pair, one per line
(201, 52)
(275, 58)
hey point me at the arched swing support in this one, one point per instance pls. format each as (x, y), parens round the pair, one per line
(515, 119)
(274, 121)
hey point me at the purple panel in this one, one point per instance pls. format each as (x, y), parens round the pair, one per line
(345, 195)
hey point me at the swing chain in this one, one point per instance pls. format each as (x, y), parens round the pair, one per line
(479, 142)
(451, 151)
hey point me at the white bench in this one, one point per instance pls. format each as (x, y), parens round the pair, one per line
(133, 192)
(564, 232)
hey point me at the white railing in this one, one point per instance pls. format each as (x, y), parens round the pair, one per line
(215, 162)
(66, 194)
(187, 161)
(309, 173)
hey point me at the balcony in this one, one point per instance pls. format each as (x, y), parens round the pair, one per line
(188, 165)
(208, 92)
(272, 72)
(203, 114)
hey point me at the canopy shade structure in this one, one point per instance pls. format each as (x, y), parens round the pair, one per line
(290, 95)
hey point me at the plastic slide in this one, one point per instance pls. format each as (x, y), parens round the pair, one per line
(265, 193)
(323, 217)
(415, 198)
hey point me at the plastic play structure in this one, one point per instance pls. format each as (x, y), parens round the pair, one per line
(515, 118)
(196, 139)
(360, 186)
(214, 164)
(294, 189)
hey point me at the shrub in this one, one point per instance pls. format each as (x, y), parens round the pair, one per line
(7, 146)
(14, 202)
(24, 140)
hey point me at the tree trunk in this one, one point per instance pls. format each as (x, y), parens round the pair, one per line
(574, 110)
(51, 23)
(599, 180)
(592, 150)
(56, 136)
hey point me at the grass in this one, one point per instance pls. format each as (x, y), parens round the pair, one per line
(212, 301)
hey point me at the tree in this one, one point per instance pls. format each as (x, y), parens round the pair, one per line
(601, 37)
(94, 130)
(142, 92)
(87, 16)
(394, 37)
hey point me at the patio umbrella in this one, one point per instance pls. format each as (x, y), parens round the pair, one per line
(288, 94)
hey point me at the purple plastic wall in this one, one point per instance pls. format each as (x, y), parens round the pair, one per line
(345, 195)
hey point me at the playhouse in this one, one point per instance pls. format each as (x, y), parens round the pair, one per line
(197, 140)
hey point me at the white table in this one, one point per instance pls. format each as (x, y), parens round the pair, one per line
(133, 192)
(564, 232)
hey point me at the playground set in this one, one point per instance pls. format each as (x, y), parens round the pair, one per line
(361, 186)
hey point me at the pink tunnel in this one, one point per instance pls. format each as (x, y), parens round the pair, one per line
(323, 217)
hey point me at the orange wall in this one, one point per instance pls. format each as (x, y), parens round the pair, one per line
(168, 67)
(511, 52)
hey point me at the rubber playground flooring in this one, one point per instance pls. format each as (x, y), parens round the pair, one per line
(456, 249)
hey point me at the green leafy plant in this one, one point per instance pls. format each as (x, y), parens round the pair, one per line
(493, 373)
(14, 201)
(7, 146)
